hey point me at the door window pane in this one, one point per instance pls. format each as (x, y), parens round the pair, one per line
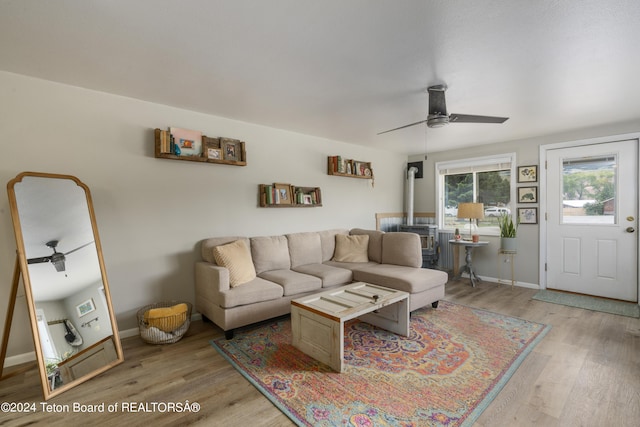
(589, 190)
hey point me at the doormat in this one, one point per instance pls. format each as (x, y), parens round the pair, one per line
(604, 305)
(454, 363)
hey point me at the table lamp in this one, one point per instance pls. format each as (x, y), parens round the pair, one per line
(471, 211)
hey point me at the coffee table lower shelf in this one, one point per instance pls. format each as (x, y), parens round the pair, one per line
(317, 321)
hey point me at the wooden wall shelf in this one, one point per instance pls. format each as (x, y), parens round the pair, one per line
(214, 143)
(288, 196)
(350, 168)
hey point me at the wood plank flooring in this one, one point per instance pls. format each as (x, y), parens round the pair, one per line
(586, 372)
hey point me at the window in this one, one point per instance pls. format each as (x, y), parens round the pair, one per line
(487, 180)
(589, 190)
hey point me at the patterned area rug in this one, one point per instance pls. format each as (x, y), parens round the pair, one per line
(620, 308)
(455, 362)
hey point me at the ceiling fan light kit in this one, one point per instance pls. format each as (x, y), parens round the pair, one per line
(438, 116)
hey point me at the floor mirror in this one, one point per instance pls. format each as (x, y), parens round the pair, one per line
(59, 257)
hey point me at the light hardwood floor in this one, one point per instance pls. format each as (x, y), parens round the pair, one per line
(586, 372)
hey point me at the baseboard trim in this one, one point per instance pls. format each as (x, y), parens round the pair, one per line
(19, 359)
(506, 282)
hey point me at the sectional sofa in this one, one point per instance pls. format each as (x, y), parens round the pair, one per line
(244, 280)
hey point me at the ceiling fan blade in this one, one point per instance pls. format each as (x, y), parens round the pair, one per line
(39, 260)
(78, 248)
(468, 118)
(402, 127)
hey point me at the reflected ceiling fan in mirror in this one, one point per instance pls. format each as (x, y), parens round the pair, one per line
(438, 116)
(57, 258)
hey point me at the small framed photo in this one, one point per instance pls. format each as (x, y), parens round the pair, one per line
(528, 173)
(527, 194)
(214, 153)
(86, 307)
(283, 194)
(306, 199)
(189, 141)
(528, 215)
(209, 144)
(231, 149)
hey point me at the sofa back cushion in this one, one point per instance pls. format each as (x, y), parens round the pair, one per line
(375, 242)
(402, 249)
(328, 241)
(270, 253)
(351, 248)
(207, 246)
(304, 248)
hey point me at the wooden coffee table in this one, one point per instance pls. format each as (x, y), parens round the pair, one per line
(317, 321)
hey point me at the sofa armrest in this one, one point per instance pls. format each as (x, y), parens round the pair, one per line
(211, 280)
(402, 248)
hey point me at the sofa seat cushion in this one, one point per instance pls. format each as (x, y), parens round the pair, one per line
(292, 282)
(257, 290)
(330, 276)
(408, 279)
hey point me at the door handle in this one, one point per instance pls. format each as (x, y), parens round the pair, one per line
(630, 229)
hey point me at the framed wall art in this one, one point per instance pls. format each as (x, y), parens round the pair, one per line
(528, 215)
(528, 173)
(527, 194)
(86, 307)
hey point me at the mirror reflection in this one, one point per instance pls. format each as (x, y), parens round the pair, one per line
(71, 303)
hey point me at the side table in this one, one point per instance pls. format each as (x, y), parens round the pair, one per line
(468, 267)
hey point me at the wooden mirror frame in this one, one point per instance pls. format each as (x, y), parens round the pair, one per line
(21, 268)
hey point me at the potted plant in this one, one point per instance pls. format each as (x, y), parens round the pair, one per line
(508, 231)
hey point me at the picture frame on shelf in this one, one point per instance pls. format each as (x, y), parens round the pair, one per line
(188, 141)
(528, 215)
(86, 307)
(306, 199)
(528, 173)
(214, 153)
(527, 194)
(231, 149)
(283, 194)
(209, 144)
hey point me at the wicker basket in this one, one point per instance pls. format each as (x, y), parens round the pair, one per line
(166, 329)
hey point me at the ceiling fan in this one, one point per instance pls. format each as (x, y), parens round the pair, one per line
(57, 258)
(438, 116)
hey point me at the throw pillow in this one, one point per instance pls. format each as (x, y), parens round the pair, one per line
(236, 257)
(351, 248)
(167, 319)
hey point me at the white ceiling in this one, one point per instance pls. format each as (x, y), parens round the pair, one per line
(345, 69)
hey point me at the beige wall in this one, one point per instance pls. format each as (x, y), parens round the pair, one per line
(527, 151)
(152, 212)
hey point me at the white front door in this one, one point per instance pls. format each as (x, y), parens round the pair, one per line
(592, 219)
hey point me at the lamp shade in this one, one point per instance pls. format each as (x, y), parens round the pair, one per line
(471, 210)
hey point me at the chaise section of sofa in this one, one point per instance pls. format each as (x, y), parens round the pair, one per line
(294, 265)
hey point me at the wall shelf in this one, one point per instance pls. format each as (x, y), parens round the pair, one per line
(337, 166)
(278, 195)
(218, 145)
